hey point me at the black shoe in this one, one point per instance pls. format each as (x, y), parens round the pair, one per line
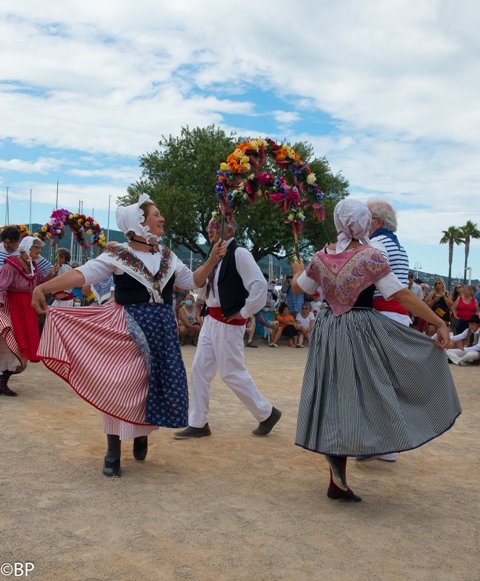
(267, 425)
(140, 447)
(341, 495)
(190, 432)
(112, 469)
(8, 391)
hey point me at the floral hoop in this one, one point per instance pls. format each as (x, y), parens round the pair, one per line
(237, 183)
(24, 231)
(79, 224)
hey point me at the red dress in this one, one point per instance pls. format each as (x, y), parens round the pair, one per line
(18, 319)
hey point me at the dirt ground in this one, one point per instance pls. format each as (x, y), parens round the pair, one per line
(230, 507)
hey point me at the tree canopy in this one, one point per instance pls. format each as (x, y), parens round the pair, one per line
(180, 177)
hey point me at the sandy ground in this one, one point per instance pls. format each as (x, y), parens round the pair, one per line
(232, 506)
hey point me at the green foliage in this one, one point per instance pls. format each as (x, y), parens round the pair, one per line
(180, 178)
(468, 232)
(451, 236)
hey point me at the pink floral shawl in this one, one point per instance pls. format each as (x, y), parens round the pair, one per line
(345, 275)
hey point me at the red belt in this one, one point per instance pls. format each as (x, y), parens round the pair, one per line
(391, 306)
(69, 297)
(216, 313)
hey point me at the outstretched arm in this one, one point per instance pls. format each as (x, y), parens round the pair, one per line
(72, 278)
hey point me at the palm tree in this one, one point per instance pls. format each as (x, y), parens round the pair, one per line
(451, 236)
(468, 232)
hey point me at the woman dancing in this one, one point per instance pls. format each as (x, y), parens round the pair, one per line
(19, 334)
(124, 358)
(371, 385)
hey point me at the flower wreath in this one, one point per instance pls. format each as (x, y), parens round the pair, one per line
(79, 224)
(236, 183)
(24, 231)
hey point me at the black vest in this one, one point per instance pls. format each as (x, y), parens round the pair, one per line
(130, 291)
(230, 285)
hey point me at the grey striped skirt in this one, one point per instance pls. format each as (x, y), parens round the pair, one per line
(372, 386)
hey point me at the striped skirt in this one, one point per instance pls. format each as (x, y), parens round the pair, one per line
(124, 361)
(372, 386)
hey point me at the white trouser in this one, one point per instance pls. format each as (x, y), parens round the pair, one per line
(456, 355)
(220, 348)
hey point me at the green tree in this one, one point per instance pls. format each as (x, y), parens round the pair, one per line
(468, 231)
(180, 177)
(451, 236)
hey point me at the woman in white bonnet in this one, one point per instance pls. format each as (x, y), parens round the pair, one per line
(19, 335)
(124, 357)
(372, 386)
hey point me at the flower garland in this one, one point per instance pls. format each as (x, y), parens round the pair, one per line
(236, 183)
(79, 224)
(24, 231)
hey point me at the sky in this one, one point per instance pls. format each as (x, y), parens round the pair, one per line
(387, 90)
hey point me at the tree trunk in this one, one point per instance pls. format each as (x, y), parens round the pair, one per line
(467, 251)
(450, 260)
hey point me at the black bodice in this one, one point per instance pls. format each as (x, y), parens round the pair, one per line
(365, 298)
(129, 291)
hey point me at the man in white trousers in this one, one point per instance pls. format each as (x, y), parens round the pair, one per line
(233, 292)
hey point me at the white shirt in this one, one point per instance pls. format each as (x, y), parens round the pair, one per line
(252, 278)
(316, 305)
(99, 269)
(463, 336)
(305, 322)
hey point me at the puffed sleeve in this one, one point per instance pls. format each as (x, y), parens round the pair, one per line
(98, 269)
(184, 276)
(7, 275)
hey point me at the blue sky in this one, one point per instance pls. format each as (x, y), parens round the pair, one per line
(387, 91)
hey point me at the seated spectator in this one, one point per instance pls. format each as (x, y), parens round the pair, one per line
(288, 326)
(189, 321)
(440, 302)
(470, 348)
(306, 319)
(266, 324)
(249, 331)
(316, 304)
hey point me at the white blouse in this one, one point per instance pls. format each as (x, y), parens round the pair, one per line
(99, 269)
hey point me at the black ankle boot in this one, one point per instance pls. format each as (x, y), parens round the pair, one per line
(4, 389)
(140, 447)
(111, 466)
(112, 469)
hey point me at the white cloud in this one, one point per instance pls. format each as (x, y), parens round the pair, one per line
(42, 165)
(285, 116)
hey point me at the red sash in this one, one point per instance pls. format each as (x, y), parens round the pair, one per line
(216, 313)
(69, 297)
(391, 306)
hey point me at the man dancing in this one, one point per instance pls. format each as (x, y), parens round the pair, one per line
(383, 237)
(235, 290)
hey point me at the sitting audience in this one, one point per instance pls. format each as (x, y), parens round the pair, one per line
(288, 327)
(266, 323)
(306, 320)
(470, 348)
(189, 321)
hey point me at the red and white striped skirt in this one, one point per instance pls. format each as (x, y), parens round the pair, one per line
(92, 350)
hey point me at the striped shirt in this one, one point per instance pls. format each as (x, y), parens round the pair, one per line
(396, 257)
